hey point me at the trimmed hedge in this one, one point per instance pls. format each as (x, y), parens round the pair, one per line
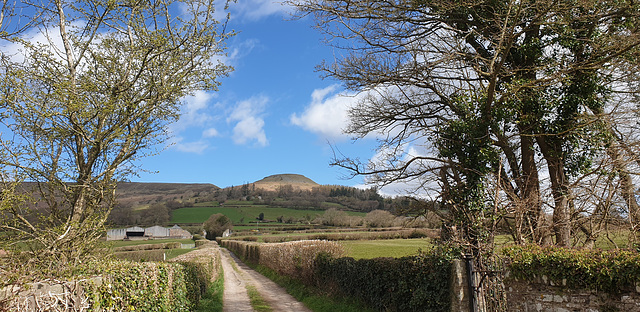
(415, 283)
(293, 259)
(150, 286)
(610, 271)
(115, 285)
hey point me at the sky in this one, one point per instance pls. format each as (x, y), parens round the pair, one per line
(274, 114)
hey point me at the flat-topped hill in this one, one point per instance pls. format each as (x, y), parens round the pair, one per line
(272, 182)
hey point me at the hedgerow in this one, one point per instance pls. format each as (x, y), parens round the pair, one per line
(115, 285)
(149, 286)
(611, 271)
(414, 283)
(293, 259)
(297, 259)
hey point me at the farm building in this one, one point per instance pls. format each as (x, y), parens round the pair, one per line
(178, 232)
(154, 232)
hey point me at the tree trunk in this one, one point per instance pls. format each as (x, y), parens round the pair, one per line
(559, 190)
(530, 185)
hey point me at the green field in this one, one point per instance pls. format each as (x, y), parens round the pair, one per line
(242, 213)
(367, 249)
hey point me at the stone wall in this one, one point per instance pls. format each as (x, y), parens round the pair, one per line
(42, 296)
(542, 296)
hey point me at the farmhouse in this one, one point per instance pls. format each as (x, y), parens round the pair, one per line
(154, 232)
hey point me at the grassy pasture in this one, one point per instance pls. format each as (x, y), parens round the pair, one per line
(242, 211)
(368, 249)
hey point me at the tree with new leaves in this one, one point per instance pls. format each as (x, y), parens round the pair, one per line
(216, 225)
(87, 89)
(501, 110)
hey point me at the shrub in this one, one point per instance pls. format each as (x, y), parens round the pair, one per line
(379, 218)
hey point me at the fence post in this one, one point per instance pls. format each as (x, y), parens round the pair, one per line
(459, 287)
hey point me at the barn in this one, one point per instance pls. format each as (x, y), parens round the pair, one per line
(154, 232)
(135, 231)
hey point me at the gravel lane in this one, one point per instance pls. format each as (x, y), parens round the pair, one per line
(235, 298)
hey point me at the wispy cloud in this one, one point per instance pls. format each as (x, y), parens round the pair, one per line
(249, 123)
(327, 114)
(253, 10)
(194, 147)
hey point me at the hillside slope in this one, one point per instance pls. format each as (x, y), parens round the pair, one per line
(135, 193)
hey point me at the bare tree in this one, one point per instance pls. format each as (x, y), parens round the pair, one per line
(86, 91)
(500, 108)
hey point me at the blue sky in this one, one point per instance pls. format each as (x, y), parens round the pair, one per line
(274, 114)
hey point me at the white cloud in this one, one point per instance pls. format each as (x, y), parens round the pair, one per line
(250, 128)
(194, 112)
(210, 133)
(423, 186)
(327, 114)
(249, 122)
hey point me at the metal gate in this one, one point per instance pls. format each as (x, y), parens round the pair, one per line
(486, 287)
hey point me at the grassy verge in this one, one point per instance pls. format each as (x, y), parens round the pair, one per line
(310, 297)
(257, 302)
(172, 253)
(212, 300)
